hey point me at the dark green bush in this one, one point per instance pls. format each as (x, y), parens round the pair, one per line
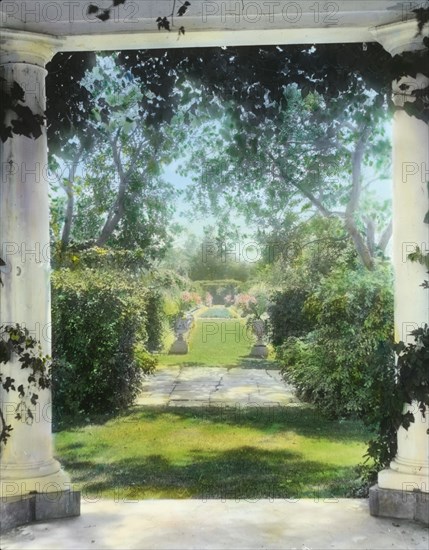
(287, 315)
(338, 365)
(100, 327)
(155, 318)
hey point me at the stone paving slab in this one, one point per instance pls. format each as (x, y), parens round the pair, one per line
(307, 524)
(188, 386)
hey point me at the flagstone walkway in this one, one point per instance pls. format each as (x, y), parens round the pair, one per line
(192, 386)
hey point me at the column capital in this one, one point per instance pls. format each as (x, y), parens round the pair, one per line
(403, 88)
(27, 47)
(397, 38)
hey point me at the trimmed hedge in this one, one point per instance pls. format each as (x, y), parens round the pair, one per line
(102, 326)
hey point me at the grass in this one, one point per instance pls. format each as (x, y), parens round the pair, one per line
(215, 342)
(213, 453)
(228, 453)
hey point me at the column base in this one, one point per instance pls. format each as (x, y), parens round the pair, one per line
(16, 511)
(396, 479)
(391, 503)
(17, 483)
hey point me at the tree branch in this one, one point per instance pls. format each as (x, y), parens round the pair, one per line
(308, 194)
(117, 210)
(385, 237)
(349, 125)
(370, 235)
(353, 203)
(68, 188)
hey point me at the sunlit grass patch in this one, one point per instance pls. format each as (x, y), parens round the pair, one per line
(215, 342)
(213, 453)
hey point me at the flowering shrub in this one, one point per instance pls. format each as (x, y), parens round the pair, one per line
(208, 299)
(244, 301)
(253, 306)
(188, 300)
(229, 299)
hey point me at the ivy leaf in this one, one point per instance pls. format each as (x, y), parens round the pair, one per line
(5, 133)
(28, 124)
(163, 23)
(5, 352)
(183, 9)
(92, 9)
(422, 15)
(17, 92)
(104, 15)
(407, 420)
(8, 384)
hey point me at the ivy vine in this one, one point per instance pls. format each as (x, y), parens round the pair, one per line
(16, 341)
(163, 23)
(413, 360)
(29, 124)
(413, 372)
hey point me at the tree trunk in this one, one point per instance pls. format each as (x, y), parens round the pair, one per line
(68, 188)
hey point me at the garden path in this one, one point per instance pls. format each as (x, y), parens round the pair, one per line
(194, 386)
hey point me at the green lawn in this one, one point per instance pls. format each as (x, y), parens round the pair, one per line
(215, 342)
(213, 453)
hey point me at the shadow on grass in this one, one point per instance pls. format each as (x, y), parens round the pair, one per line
(82, 420)
(304, 420)
(243, 473)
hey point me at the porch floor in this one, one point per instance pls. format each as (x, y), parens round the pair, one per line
(215, 524)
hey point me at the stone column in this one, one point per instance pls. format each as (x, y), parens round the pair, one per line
(27, 463)
(403, 488)
(410, 469)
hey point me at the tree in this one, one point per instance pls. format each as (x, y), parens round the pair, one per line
(328, 69)
(111, 172)
(214, 256)
(301, 154)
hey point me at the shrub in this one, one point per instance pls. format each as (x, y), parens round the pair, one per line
(287, 316)
(100, 330)
(154, 320)
(338, 365)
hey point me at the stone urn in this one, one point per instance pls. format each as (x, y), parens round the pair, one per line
(181, 327)
(259, 349)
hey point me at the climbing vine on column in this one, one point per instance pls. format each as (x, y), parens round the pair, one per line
(15, 341)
